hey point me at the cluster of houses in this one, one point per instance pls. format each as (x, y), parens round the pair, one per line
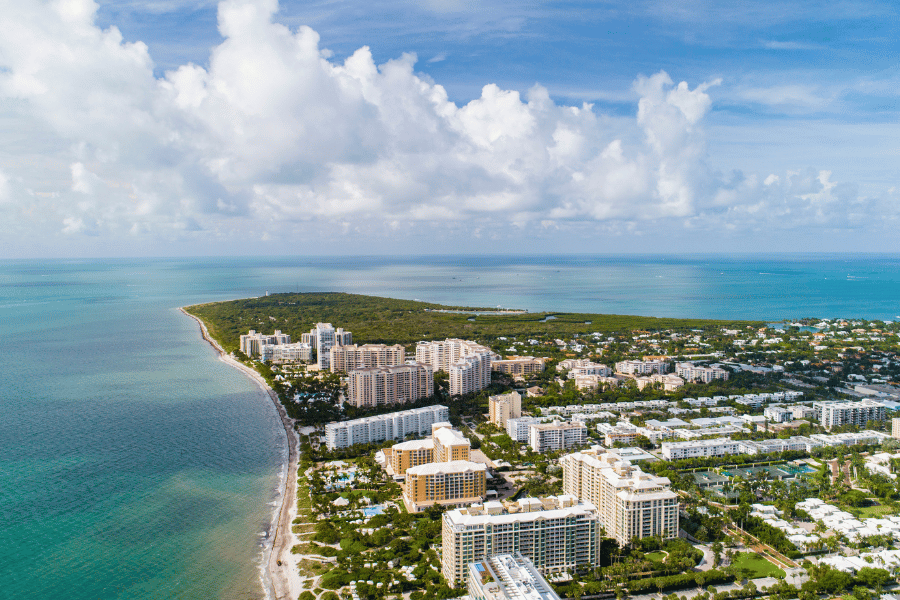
(848, 525)
(798, 536)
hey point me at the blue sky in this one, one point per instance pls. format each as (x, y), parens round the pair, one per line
(577, 126)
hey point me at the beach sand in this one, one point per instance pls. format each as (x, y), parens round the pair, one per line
(283, 578)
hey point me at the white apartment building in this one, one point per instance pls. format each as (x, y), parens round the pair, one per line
(467, 363)
(569, 364)
(508, 577)
(590, 369)
(504, 407)
(543, 437)
(323, 337)
(518, 429)
(701, 448)
(642, 367)
(834, 414)
(347, 358)
(630, 503)
(253, 343)
(556, 534)
(378, 386)
(778, 414)
(692, 372)
(593, 382)
(286, 352)
(867, 437)
(391, 426)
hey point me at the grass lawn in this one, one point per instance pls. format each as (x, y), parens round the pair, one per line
(655, 556)
(866, 512)
(757, 565)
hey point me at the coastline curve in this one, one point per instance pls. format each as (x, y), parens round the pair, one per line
(283, 581)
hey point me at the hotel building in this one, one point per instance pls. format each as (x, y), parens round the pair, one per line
(519, 366)
(458, 482)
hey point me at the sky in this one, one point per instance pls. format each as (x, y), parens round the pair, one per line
(252, 127)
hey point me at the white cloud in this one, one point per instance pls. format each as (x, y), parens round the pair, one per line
(274, 132)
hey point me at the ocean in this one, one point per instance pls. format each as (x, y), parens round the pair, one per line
(134, 464)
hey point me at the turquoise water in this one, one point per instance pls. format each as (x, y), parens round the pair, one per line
(134, 464)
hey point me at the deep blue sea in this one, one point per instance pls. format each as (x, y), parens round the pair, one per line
(134, 464)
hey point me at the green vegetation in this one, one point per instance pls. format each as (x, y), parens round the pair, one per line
(385, 320)
(752, 565)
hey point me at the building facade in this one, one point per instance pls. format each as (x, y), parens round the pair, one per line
(556, 534)
(630, 503)
(253, 343)
(457, 482)
(348, 358)
(834, 413)
(508, 577)
(519, 366)
(642, 367)
(391, 426)
(558, 435)
(467, 363)
(323, 337)
(692, 372)
(379, 386)
(504, 407)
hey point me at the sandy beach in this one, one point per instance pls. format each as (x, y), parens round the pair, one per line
(284, 581)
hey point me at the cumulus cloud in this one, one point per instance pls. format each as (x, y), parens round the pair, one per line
(274, 131)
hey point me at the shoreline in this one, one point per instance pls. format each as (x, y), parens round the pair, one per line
(283, 582)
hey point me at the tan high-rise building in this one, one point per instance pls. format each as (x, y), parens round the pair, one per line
(630, 503)
(450, 445)
(457, 482)
(411, 454)
(505, 407)
(348, 358)
(895, 428)
(378, 386)
(467, 363)
(517, 366)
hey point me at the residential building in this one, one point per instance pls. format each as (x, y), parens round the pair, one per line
(519, 366)
(692, 372)
(866, 437)
(701, 448)
(778, 414)
(457, 482)
(348, 358)
(557, 435)
(391, 426)
(593, 382)
(590, 368)
(556, 534)
(802, 412)
(508, 577)
(323, 337)
(895, 428)
(667, 383)
(505, 407)
(518, 429)
(379, 386)
(282, 353)
(834, 413)
(630, 503)
(642, 367)
(467, 363)
(576, 363)
(252, 343)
